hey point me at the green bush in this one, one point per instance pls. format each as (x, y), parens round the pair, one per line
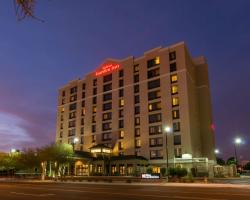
(149, 170)
(179, 172)
(163, 171)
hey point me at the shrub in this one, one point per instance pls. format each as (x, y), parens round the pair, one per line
(149, 170)
(163, 171)
(179, 172)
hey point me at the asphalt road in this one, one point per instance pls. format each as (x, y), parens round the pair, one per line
(67, 191)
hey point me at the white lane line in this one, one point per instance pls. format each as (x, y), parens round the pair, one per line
(33, 195)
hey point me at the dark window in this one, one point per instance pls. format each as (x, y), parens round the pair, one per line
(137, 132)
(106, 136)
(107, 78)
(72, 106)
(95, 82)
(176, 126)
(156, 154)
(107, 106)
(155, 142)
(154, 73)
(63, 93)
(121, 93)
(83, 95)
(173, 67)
(72, 132)
(72, 124)
(82, 121)
(93, 128)
(177, 139)
(154, 95)
(107, 116)
(72, 115)
(94, 100)
(136, 68)
(121, 73)
(121, 83)
(73, 90)
(136, 88)
(82, 131)
(137, 99)
(121, 113)
(137, 110)
(83, 103)
(153, 62)
(94, 119)
(83, 86)
(107, 96)
(73, 98)
(94, 91)
(106, 126)
(121, 124)
(154, 118)
(172, 56)
(137, 121)
(107, 87)
(176, 114)
(154, 130)
(136, 78)
(154, 84)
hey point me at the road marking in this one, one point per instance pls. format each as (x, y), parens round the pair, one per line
(34, 195)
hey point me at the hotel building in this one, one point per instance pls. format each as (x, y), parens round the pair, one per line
(156, 107)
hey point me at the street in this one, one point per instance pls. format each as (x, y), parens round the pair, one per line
(68, 191)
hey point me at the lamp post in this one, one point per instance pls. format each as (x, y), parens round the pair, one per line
(216, 151)
(237, 142)
(167, 130)
(75, 140)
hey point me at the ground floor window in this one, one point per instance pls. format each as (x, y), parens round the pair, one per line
(122, 170)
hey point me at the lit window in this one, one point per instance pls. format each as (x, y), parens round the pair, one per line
(137, 143)
(94, 109)
(121, 145)
(174, 78)
(62, 109)
(175, 101)
(176, 114)
(121, 134)
(150, 107)
(121, 102)
(174, 89)
(157, 60)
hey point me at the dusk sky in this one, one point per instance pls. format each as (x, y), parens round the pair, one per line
(77, 35)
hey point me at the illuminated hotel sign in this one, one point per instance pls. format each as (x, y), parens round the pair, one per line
(106, 69)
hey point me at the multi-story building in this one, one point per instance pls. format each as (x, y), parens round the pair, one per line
(156, 106)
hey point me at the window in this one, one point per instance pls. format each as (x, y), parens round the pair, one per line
(95, 82)
(176, 114)
(61, 117)
(72, 106)
(61, 134)
(178, 152)
(155, 142)
(121, 123)
(106, 126)
(173, 67)
(136, 88)
(154, 84)
(81, 140)
(107, 78)
(73, 90)
(107, 106)
(72, 132)
(93, 128)
(173, 78)
(94, 119)
(82, 121)
(176, 126)
(137, 143)
(137, 110)
(94, 100)
(61, 126)
(107, 87)
(83, 103)
(93, 138)
(83, 112)
(154, 118)
(154, 106)
(63, 93)
(107, 116)
(154, 95)
(121, 73)
(136, 78)
(153, 62)
(106, 136)
(121, 134)
(154, 130)
(83, 86)
(94, 109)
(107, 96)
(121, 83)
(121, 145)
(73, 98)
(94, 91)
(175, 101)
(137, 120)
(137, 99)
(121, 102)
(63, 101)
(174, 89)
(136, 68)
(154, 73)
(72, 115)
(121, 113)
(137, 132)
(172, 56)
(156, 154)
(121, 94)
(82, 131)
(83, 95)
(121, 170)
(177, 139)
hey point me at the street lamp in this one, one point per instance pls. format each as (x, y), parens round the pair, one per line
(237, 142)
(75, 140)
(167, 129)
(216, 151)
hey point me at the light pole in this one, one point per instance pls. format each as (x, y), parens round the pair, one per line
(167, 129)
(216, 151)
(237, 142)
(75, 140)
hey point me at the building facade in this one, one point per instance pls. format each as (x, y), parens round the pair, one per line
(157, 106)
